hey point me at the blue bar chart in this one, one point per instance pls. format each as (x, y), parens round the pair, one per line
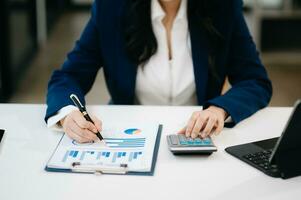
(125, 142)
(101, 156)
(84, 153)
(72, 154)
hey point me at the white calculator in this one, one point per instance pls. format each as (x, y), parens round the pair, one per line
(179, 144)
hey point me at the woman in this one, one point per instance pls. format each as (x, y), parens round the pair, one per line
(164, 52)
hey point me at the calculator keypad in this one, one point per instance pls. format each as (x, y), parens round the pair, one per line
(181, 140)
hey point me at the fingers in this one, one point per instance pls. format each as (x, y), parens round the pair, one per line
(79, 129)
(182, 131)
(220, 126)
(83, 123)
(84, 133)
(97, 123)
(74, 136)
(191, 124)
(205, 123)
(208, 130)
(200, 123)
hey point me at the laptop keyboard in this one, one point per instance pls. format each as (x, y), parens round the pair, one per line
(261, 159)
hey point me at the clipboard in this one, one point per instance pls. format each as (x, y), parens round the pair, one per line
(118, 170)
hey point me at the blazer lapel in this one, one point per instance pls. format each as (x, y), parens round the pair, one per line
(199, 48)
(128, 73)
(122, 73)
(126, 69)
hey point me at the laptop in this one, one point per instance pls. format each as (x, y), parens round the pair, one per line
(1, 134)
(276, 157)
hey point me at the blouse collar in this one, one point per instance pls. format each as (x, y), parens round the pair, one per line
(157, 11)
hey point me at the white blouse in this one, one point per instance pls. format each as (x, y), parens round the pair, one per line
(161, 81)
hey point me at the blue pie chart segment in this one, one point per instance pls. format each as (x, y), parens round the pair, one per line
(132, 131)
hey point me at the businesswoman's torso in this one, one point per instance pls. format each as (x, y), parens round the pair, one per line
(195, 73)
(183, 80)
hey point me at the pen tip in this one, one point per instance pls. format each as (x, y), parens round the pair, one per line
(104, 142)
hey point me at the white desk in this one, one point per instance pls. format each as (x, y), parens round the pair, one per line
(28, 145)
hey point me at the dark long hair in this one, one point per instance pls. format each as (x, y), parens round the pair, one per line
(141, 42)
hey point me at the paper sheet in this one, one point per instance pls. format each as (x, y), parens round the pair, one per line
(126, 144)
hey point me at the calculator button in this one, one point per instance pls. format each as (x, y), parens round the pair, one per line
(189, 141)
(197, 141)
(207, 141)
(183, 142)
(181, 137)
(174, 140)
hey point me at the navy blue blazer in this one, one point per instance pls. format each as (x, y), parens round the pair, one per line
(102, 45)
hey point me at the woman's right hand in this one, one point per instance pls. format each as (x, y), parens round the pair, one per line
(79, 129)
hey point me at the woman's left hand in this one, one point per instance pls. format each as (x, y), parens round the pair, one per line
(205, 123)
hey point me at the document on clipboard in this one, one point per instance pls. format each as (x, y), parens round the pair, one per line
(130, 149)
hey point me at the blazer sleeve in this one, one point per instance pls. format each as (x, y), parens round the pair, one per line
(251, 88)
(78, 72)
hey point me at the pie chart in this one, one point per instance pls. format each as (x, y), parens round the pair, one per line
(132, 131)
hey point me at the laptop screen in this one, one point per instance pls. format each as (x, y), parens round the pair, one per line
(1, 134)
(290, 139)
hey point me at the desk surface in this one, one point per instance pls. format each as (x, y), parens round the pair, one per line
(28, 145)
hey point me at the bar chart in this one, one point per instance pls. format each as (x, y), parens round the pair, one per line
(72, 154)
(101, 156)
(114, 143)
(125, 142)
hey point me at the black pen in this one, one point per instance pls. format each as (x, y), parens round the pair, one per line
(83, 110)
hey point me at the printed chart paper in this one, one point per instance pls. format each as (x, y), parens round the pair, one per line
(132, 145)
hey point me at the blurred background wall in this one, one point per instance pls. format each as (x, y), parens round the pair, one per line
(35, 36)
